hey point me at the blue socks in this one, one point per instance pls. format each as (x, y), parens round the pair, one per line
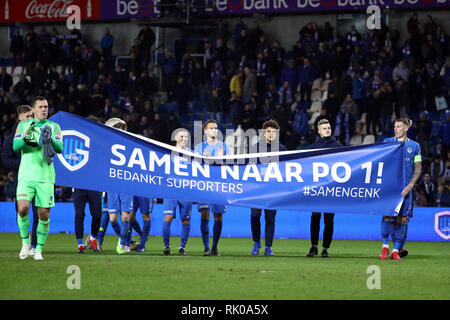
(103, 226)
(136, 227)
(386, 230)
(125, 232)
(80, 242)
(116, 227)
(204, 227)
(185, 229)
(217, 230)
(399, 236)
(145, 232)
(166, 233)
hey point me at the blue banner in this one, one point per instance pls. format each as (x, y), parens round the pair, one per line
(365, 179)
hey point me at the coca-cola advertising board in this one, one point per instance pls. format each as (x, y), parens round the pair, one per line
(46, 10)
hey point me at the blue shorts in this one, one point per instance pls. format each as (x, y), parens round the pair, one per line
(215, 208)
(142, 203)
(407, 207)
(185, 207)
(119, 202)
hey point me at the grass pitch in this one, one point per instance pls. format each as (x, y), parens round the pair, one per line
(235, 275)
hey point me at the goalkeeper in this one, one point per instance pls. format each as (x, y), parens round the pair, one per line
(38, 140)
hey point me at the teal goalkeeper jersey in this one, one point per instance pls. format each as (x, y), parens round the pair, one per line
(33, 166)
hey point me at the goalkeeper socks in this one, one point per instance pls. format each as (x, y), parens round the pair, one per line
(204, 228)
(24, 226)
(185, 229)
(166, 233)
(42, 233)
(217, 230)
(116, 227)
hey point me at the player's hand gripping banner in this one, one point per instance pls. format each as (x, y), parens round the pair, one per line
(365, 179)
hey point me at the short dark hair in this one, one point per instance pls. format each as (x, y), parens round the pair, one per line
(208, 122)
(22, 109)
(271, 124)
(37, 98)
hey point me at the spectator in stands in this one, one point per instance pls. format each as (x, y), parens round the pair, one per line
(442, 194)
(428, 188)
(16, 48)
(250, 85)
(106, 44)
(423, 131)
(169, 67)
(444, 135)
(300, 124)
(371, 106)
(353, 37)
(344, 126)
(285, 95)
(158, 128)
(215, 106)
(403, 101)
(182, 94)
(386, 100)
(146, 38)
(436, 169)
(306, 76)
(236, 83)
(290, 74)
(358, 93)
(248, 118)
(186, 66)
(5, 79)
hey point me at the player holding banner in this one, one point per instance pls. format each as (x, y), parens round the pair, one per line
(210, 148)
(398, 226)
(38, 140)
(181, 136)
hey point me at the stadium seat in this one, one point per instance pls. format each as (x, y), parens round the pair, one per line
(316, 84)
(316, 107)
(207, 116)
(324, 96)
(316, 95)
(324, 85)
(18, 70)
(368, 139)
(356, 140)
(313, 119)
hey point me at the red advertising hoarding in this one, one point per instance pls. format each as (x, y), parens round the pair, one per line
(46, 10)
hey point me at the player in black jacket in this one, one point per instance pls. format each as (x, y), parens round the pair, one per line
(325, 140)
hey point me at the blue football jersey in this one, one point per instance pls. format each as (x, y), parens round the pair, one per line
(411, 154)
(211, 150)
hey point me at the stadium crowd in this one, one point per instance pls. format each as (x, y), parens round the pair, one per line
(242, 78)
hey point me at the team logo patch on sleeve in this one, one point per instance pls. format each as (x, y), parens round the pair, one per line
(18, 136)
(58, 138)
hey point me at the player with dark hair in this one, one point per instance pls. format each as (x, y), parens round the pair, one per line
(325, 140)
(181, 136)
(38, 140)
(210, 148)
(398, 226)
(271, 134)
